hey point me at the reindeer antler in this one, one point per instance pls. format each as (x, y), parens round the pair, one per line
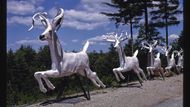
(123, 38)
(175, 51)
(155, 43)
(181, 50)
(144, 46)
(42, 18)
(58, 20)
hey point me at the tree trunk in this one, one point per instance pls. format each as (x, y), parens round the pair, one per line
(166, 22)
(146, 17)
(131, 29)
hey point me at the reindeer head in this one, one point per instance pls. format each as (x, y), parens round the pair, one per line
(180, 52)
(148, 46)
(50, 28)
(113, 37)
(166, 50)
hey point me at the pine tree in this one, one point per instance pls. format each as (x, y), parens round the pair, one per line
(153, 34)
(166, 14)
(129, 11)
(43, 58)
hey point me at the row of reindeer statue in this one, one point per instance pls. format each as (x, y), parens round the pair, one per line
(69, 63)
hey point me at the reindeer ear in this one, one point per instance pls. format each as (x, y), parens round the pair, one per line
(57, 21)
(44, 23)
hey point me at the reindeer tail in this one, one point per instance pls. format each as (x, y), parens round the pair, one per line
(135, 54)
(85, 46)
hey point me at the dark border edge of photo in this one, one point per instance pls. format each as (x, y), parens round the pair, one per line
(186, 40)
(3, 62)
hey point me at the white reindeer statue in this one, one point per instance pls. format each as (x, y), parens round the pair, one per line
(150, 47)
(170, 60)
(155, 63)
(127, 63)
(63, 64)
(180, 60)
(156, 66)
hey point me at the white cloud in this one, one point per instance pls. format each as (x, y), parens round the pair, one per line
(180, 17)
(21, 7)
(81, 20)
(52, 12)
(173, 37)
(30, 42)
(86, 16)
(19, 20)
(63, 43)
(75, 40)
(22, 20)
(18, 11)
(95, 5)
(102, 43)
(83, 25)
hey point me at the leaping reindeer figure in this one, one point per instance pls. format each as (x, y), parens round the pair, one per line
(127, 63)
(180, 60)
(170, 61)
(155, 63)
(156, 66)
(150, 47)
(63, 64)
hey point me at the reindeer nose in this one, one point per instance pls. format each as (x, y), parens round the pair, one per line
(41, 37)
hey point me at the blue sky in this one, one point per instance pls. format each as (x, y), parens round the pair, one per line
(82, 20)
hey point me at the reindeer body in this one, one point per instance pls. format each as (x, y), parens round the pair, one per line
(170, 60)
(63, 64)
(73, 63)
(132, 63)
(171, 63)
(180, 61)
(155, 63)
(156, 67)
(127, 63)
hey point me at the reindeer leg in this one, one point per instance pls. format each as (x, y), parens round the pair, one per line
(100, 82)
(45, 75)
(178, 70)
(168, 70)
(115, 73)
(139, 77)
(142, 73)
(38, 76)
(94, 78)
(148, 72)
(161, 72)
(152, 72)
(121, 75)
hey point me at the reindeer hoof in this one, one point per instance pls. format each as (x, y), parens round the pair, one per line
(104, 86)
(118, 80)
(44, 90)
(98, 85)
(52, 87)
(123, 78)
